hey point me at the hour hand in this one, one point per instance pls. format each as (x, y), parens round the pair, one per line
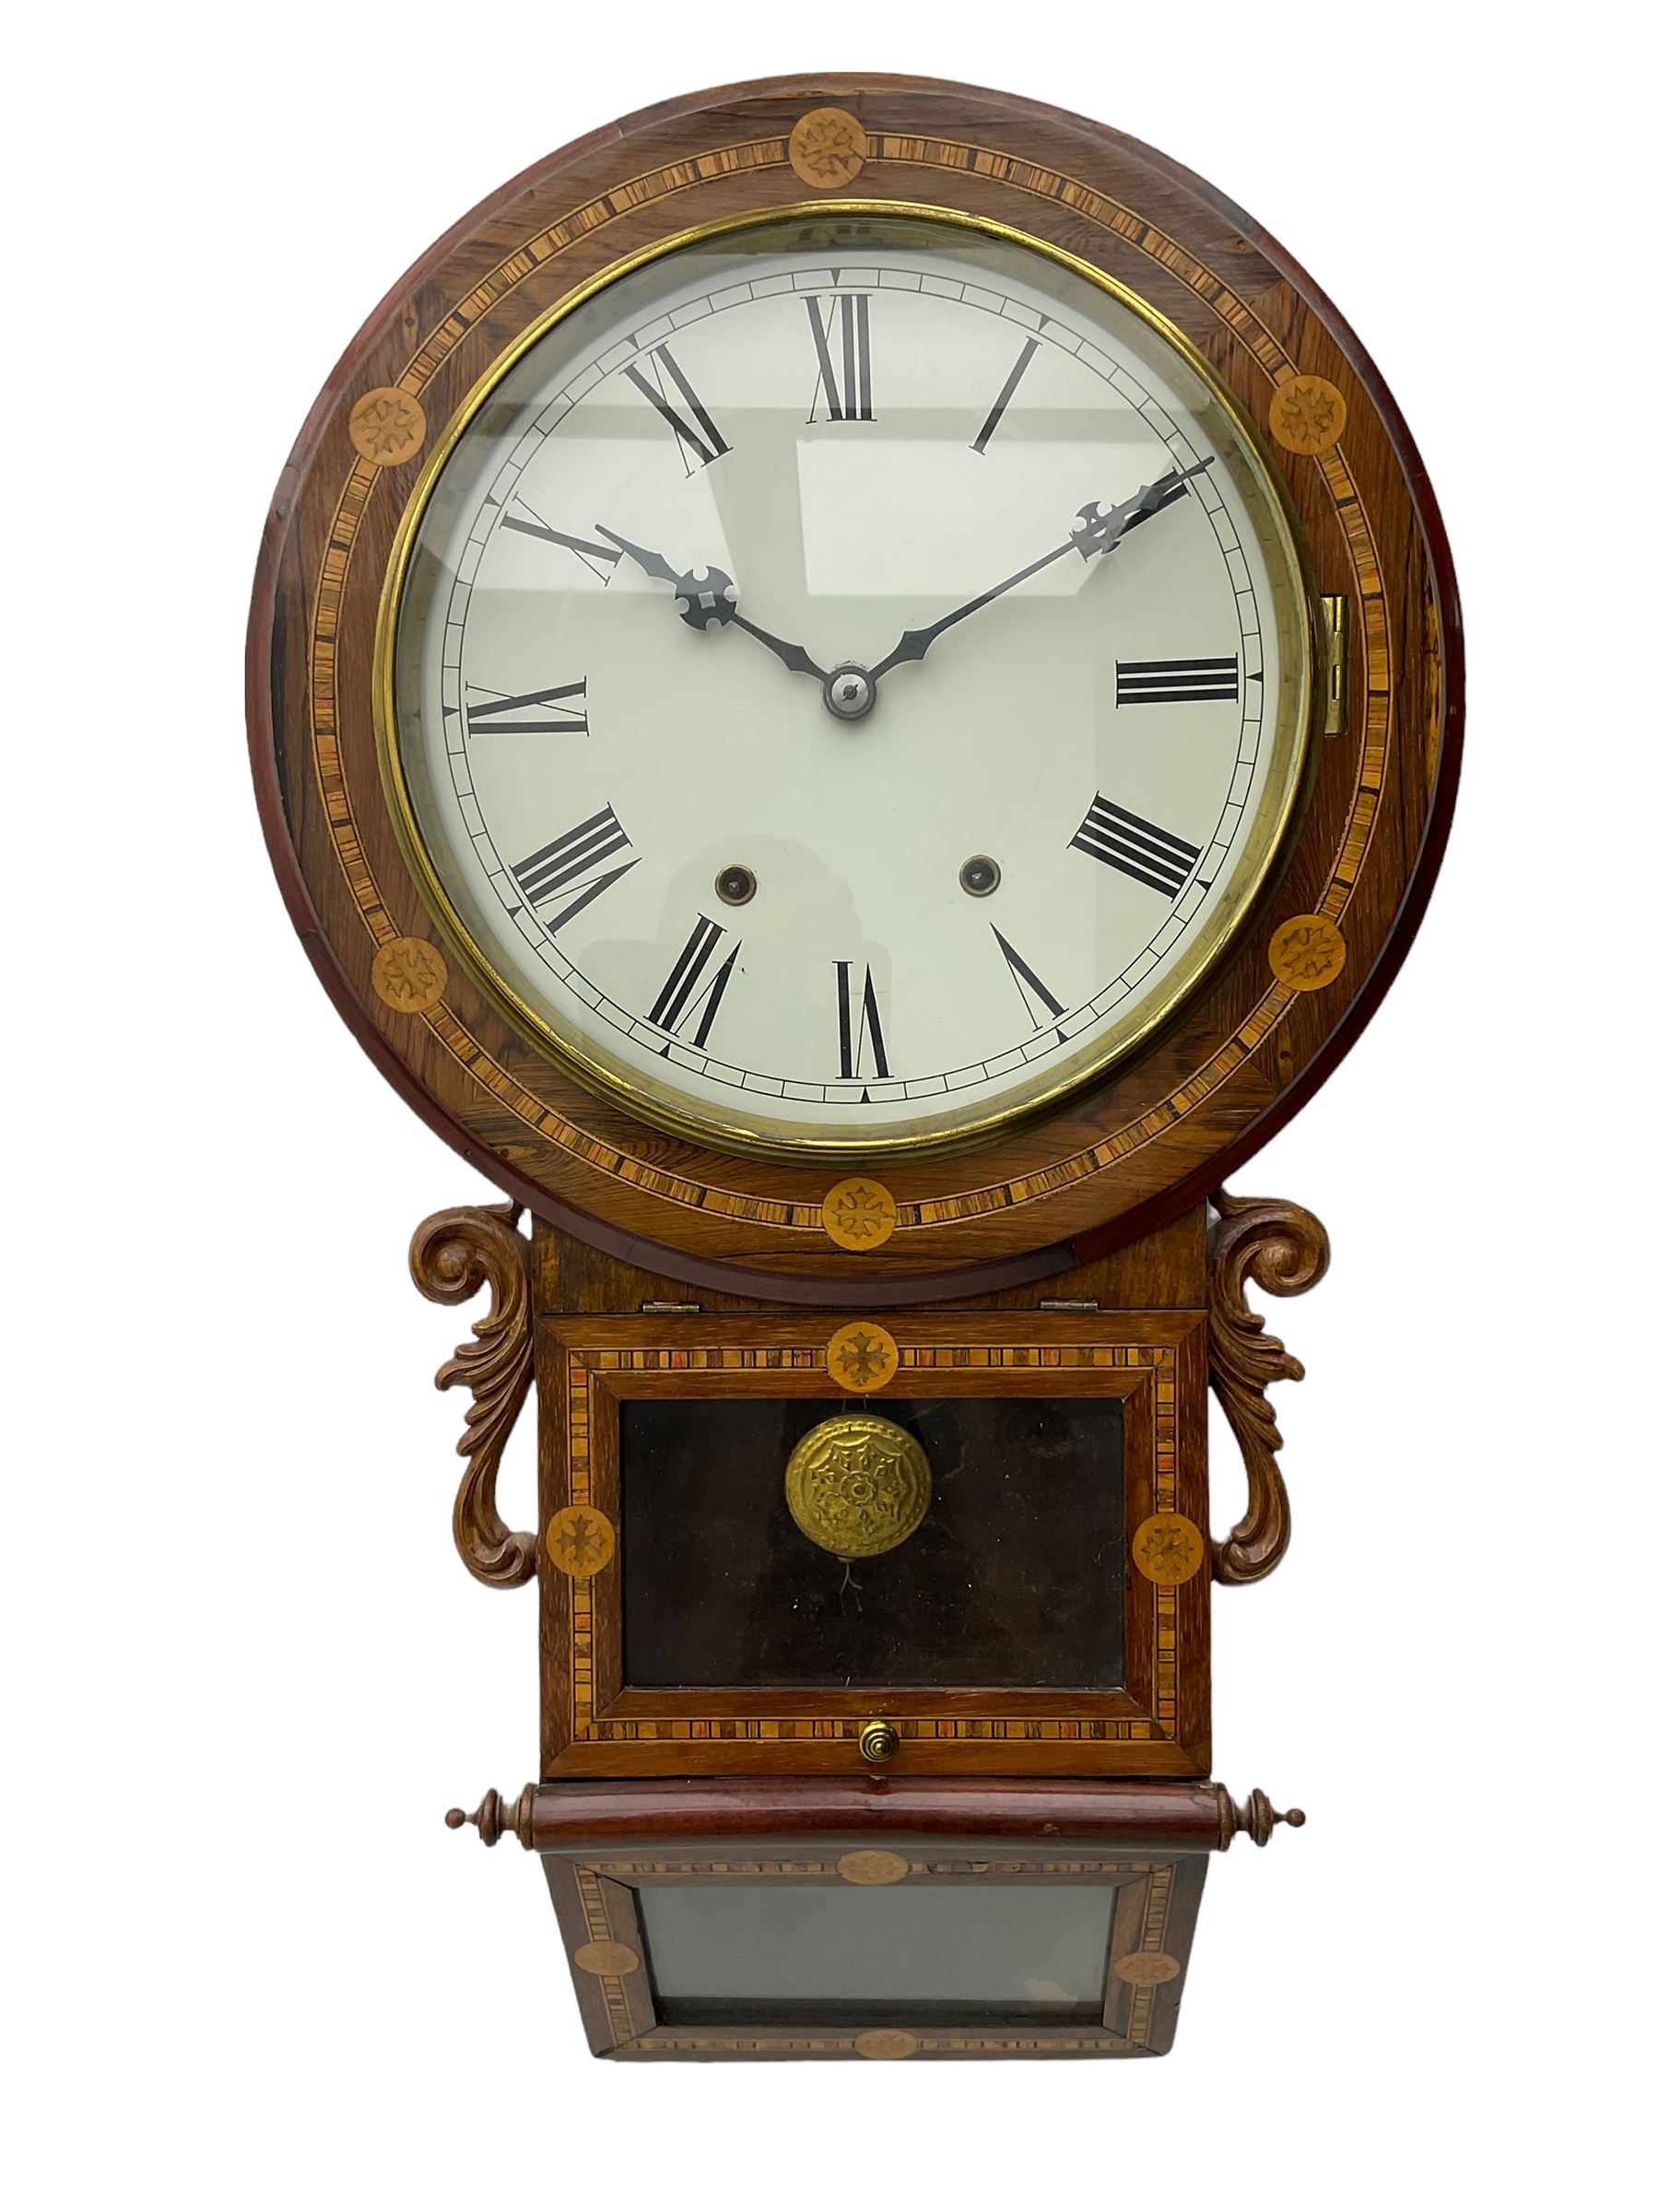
(793, 657)
(709, 595)
(653, 563)
(702, 595)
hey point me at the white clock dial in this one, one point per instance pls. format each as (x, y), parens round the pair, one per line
(848, 688)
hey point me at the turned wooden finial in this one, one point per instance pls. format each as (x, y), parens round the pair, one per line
(495, 1817)
(1255, 1817)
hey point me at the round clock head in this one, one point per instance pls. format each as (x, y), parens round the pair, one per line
(843, 693)
(855, 682)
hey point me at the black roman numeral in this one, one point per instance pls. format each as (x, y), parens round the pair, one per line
(861, 1028)
(1026, 981)
(585, 551)
(680, 998)
(516, 716)
(1135, 847)
(1005, 395)
(698, 446)
(556, 866)
(843, 335)
(1158, 683)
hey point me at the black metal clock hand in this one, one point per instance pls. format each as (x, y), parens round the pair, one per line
(708, 597)
(1097, 533)
(653, 564)
(793, 656)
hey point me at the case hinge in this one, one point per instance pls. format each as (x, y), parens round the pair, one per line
(1336, 607)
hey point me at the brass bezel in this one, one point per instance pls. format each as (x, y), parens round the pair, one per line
(1303, 647)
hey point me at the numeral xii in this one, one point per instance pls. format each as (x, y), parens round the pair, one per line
(841, 337)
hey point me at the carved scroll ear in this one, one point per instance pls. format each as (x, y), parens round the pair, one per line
(1281, 1247)
(451, 1255)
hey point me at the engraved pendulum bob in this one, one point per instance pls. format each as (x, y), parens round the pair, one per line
(858, 1486)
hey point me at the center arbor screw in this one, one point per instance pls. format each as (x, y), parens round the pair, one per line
(849, 692)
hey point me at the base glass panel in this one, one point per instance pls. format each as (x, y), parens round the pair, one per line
(987, 1950)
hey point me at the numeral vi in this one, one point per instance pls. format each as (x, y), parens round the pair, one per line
(860, 1015)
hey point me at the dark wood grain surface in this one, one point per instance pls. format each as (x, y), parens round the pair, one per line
(1150, 1815)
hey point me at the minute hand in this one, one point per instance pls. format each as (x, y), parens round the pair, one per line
(1095, 533)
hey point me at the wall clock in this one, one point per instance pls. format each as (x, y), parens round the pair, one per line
(854, 686)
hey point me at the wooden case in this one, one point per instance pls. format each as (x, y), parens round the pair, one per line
(601, 1897)
(595, 1723)
(880, 1852)
(665, 1273)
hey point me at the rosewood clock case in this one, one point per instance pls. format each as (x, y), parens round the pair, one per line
(951, 1799)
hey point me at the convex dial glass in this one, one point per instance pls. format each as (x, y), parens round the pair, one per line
(845, 683)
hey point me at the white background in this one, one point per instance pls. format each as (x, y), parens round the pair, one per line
(247, 1965)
